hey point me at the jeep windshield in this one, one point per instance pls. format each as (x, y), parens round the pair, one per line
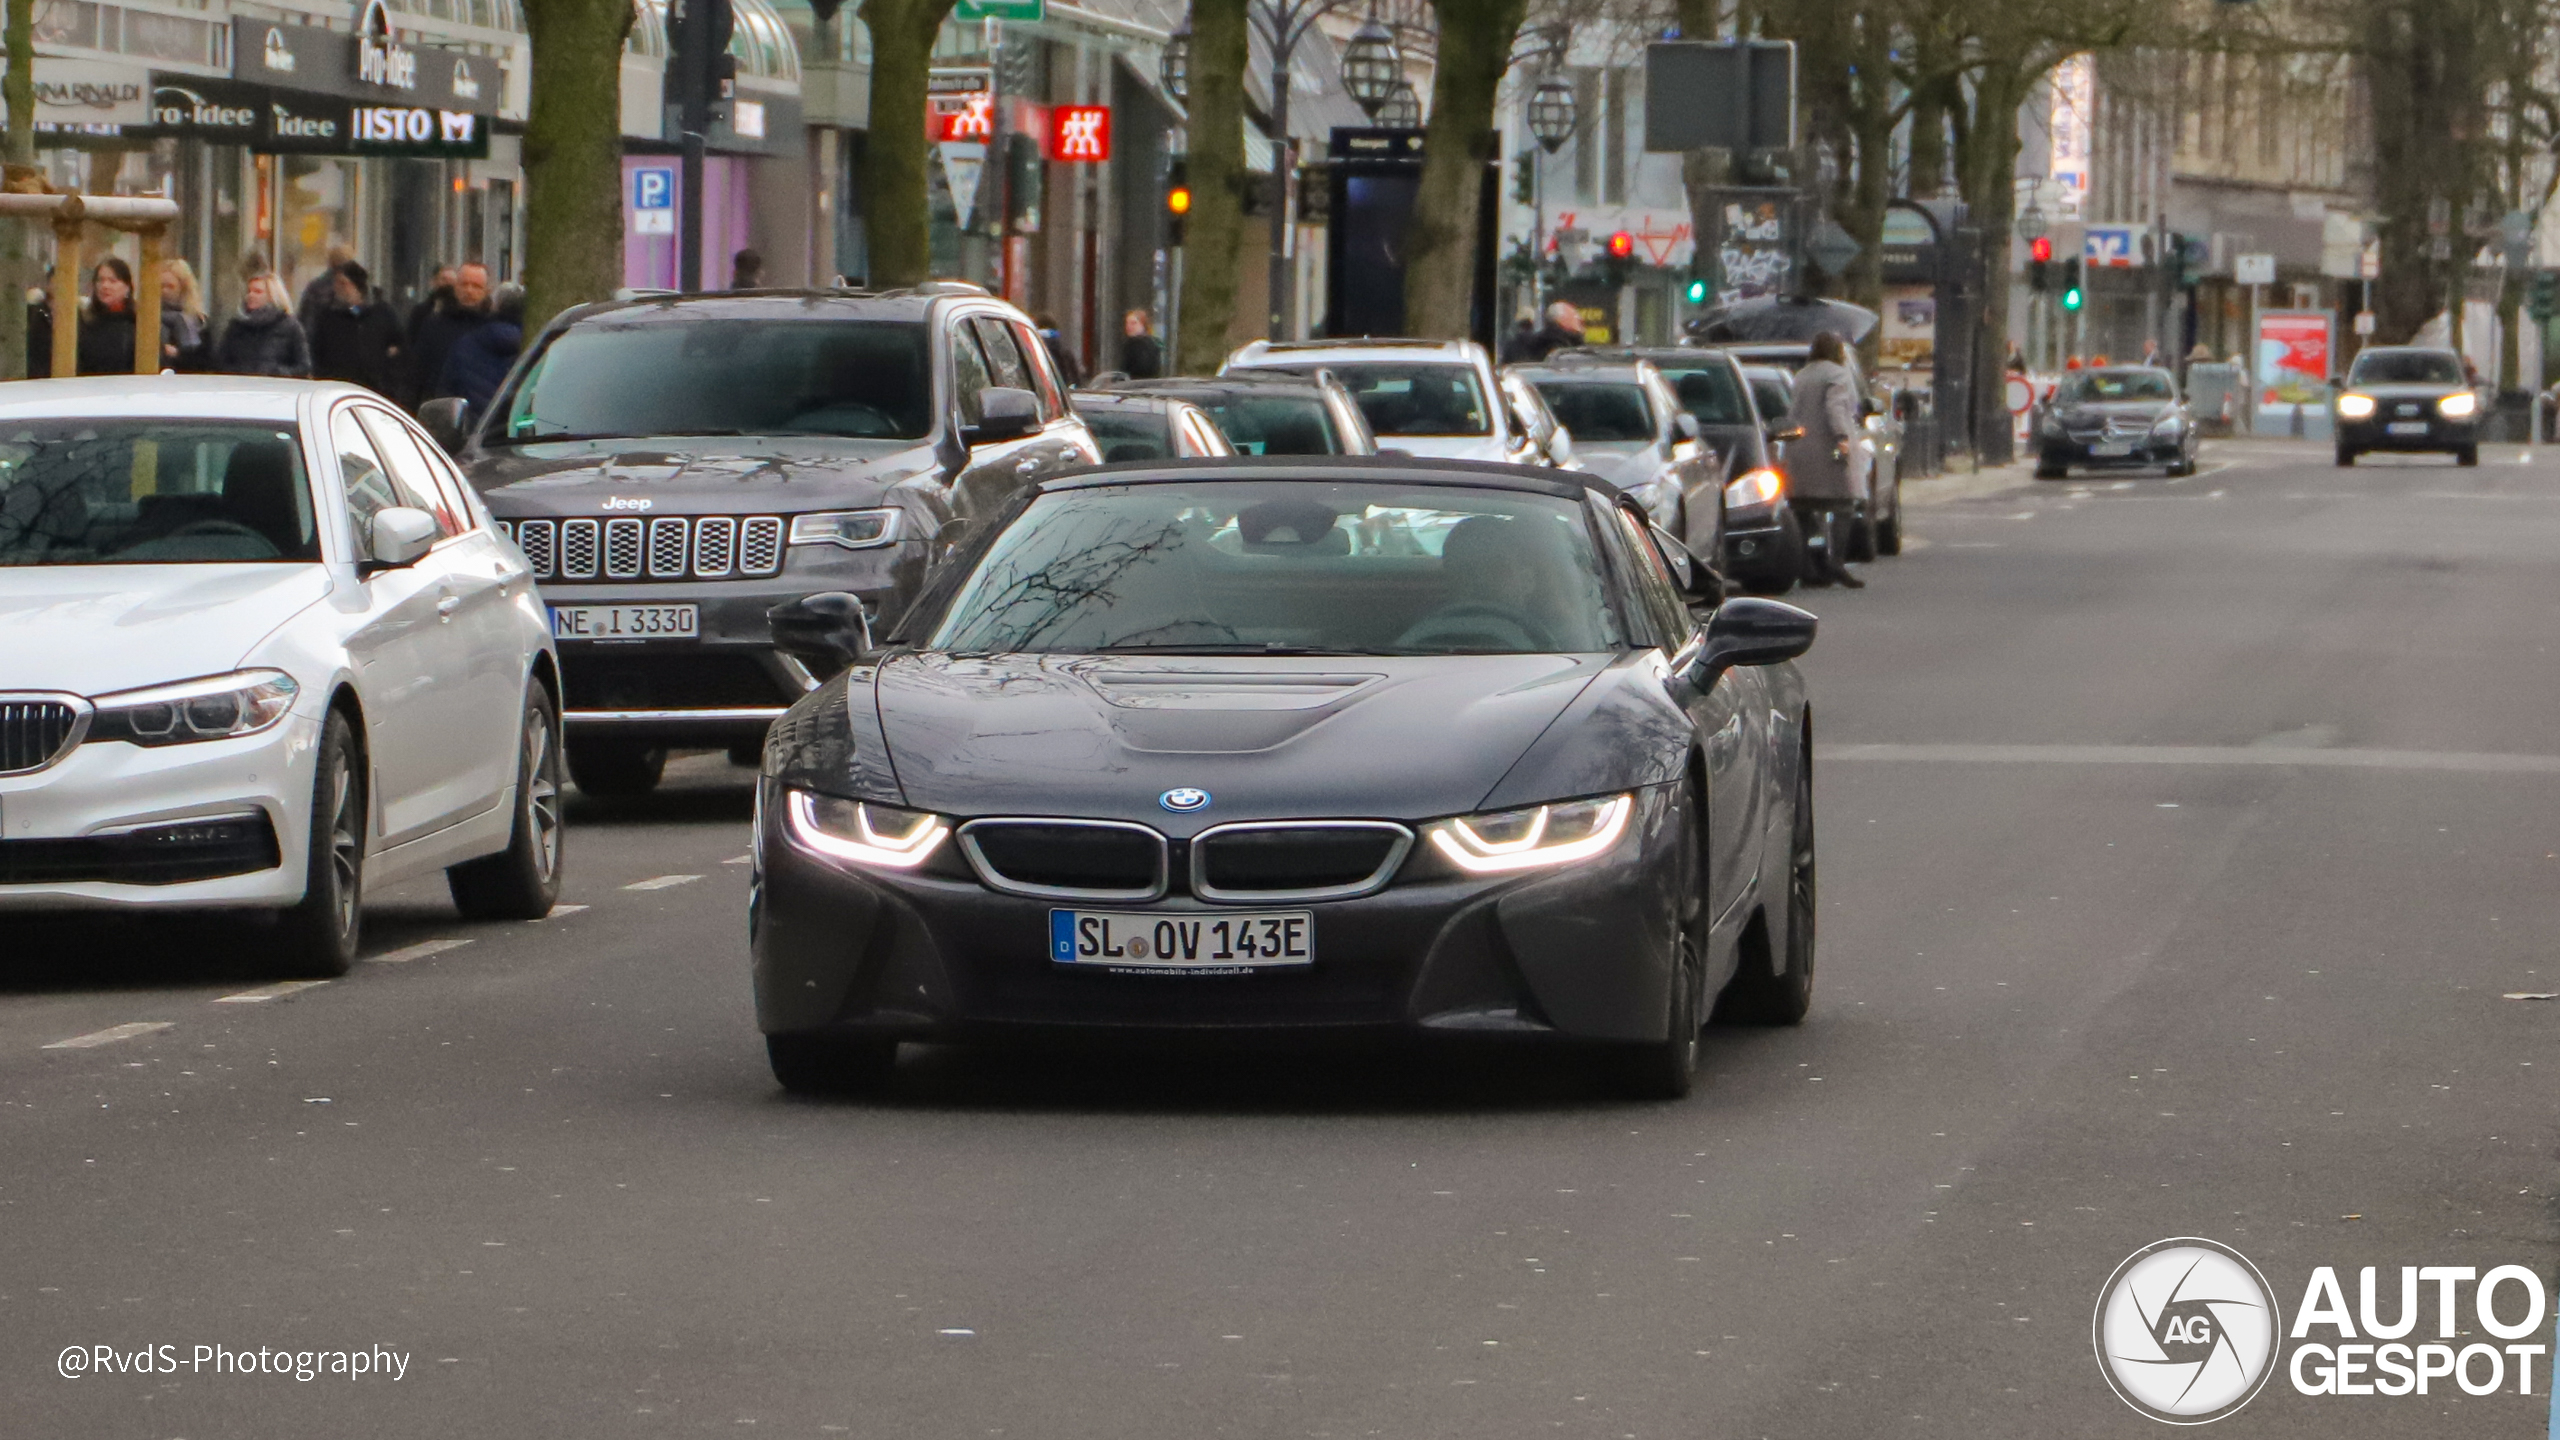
(860, 379)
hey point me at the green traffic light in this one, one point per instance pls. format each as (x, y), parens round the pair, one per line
(1697, 292)
(2071, 298)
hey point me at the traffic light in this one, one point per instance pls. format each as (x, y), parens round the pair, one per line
(2072, 295)
(1620, 264)
(701, 69)
(2040, 249)
(1177, 198)
(2542, 295)
(1699, 290)
(2040, 264)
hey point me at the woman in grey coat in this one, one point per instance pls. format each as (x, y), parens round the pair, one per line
(1826, 466)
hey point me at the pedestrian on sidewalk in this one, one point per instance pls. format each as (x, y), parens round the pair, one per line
(1826, 469)
(359, 338)
(1141, 353)
(264, 338)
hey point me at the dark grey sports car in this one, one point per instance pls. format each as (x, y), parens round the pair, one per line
(1292, 746)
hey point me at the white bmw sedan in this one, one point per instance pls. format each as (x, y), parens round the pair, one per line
(260, 648)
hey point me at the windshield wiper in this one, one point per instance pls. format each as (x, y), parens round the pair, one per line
(1269, 647)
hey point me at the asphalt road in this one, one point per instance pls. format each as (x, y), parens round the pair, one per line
(2180, 841)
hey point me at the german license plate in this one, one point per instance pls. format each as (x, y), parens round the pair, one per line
(1189, 944)
(2111, 449)
(2407, 427)
(626, 622)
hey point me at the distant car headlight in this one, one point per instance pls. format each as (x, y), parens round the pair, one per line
(1533, 838)
(863, 833)
(846, 529)
(2169, 424)
(1754, 487)
(216, 707)
(2458, 406)
(2352, 406)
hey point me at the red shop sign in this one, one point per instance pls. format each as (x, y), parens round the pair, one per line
(961, 117)
(1080, 134)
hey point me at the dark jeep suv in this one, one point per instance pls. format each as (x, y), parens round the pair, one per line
(675, 466)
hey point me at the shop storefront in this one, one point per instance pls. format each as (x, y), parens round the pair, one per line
(756, 187)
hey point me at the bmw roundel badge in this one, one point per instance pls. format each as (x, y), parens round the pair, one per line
(1184, 799)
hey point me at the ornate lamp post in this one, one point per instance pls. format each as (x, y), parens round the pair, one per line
(1403, 110)
(1554, 114)
(1174, 69)
(1372, 67)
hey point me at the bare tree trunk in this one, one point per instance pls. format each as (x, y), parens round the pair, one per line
(17, 270)
(1987, 160)
(573, 154)
(1213, 234)
(897, 218)
(2422, 168)
(1440, 243)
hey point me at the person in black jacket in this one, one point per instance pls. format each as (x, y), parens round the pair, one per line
(1062, 359)
(453, 312)
(264, 338)
(1141, 353)
(106, 322)
(359, 339)
(480, 359)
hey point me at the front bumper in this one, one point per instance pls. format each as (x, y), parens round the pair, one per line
(122, 809)
(2150, 448)
(1762, 543)
(1577, 953)
(2374, 431)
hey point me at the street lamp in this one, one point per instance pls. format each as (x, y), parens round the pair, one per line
(1175, 68)
(1372, 67)
(1403, 110)
(1553, 115)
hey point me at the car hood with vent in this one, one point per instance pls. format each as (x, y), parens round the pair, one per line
(694, 475)
(1103, 736)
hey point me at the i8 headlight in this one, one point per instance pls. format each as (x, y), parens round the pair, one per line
(216, 707)
(2355, 407)
(846, 529)
(1754, 487)
(862, 832)
(2458, 405)
(1534, 838)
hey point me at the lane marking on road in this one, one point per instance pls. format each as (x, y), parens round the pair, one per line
(2456, 761)
(750, 859)
(557, 911)
(265, 993)
(663, 882)
(419, 951)
(111, 1035)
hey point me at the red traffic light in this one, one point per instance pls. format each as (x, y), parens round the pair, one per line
(2040, 249)
(1622, 245)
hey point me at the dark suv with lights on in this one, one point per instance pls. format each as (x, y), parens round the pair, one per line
(673, 467)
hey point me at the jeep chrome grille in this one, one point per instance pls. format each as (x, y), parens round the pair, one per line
(36, 730)
(711, 547)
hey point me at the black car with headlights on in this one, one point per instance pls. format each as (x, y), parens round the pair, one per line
(1763, 541)
(675, 466)
(1292, 747)
(2115, 416)
(2407, 397)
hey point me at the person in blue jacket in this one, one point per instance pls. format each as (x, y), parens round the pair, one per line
(480, 357)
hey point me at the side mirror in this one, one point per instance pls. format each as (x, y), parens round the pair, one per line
(1686, 424)
(1787, 432)
(1749, 631)
(826, 631)
(1003, 413)
(449, 421)
(400, 536)
(1560, 448)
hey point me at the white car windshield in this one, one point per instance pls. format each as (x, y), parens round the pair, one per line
(152, 492)
(1285, 567)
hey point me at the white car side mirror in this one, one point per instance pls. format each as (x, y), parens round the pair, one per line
(402, 535)
(1560, 447)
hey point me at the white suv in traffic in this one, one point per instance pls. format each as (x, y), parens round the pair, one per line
(1434, 398)
(260, 648)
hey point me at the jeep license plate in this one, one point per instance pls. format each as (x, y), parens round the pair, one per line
(626, 622)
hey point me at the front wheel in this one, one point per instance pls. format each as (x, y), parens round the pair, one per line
(1862, 536)
(2346, 456)
(522, 882)
(1665, 1069)
(2052, 470)
(1889, 530)
(321, 934)
(2467, 455)
(831, 1065)
(614, 769)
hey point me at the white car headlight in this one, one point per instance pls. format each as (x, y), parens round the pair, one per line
(846, 529)
(864, 833)
(1754, 487)
(2168, 424)
(216, 707)
(1533, 838)
(2458, 405)
(2353, 406)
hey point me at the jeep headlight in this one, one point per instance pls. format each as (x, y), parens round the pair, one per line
(2352, 406)
(862, 832)
(1533, 838)
(216, 707)
(845, 529)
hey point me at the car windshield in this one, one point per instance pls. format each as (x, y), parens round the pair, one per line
(865, 379)
(1285, 567)
(152, 492)
(1417, 399)
(2098, 387)
(1274, 424)
(1711, 394)
(2406, 367)
(1600, 413)
(1128, 434)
